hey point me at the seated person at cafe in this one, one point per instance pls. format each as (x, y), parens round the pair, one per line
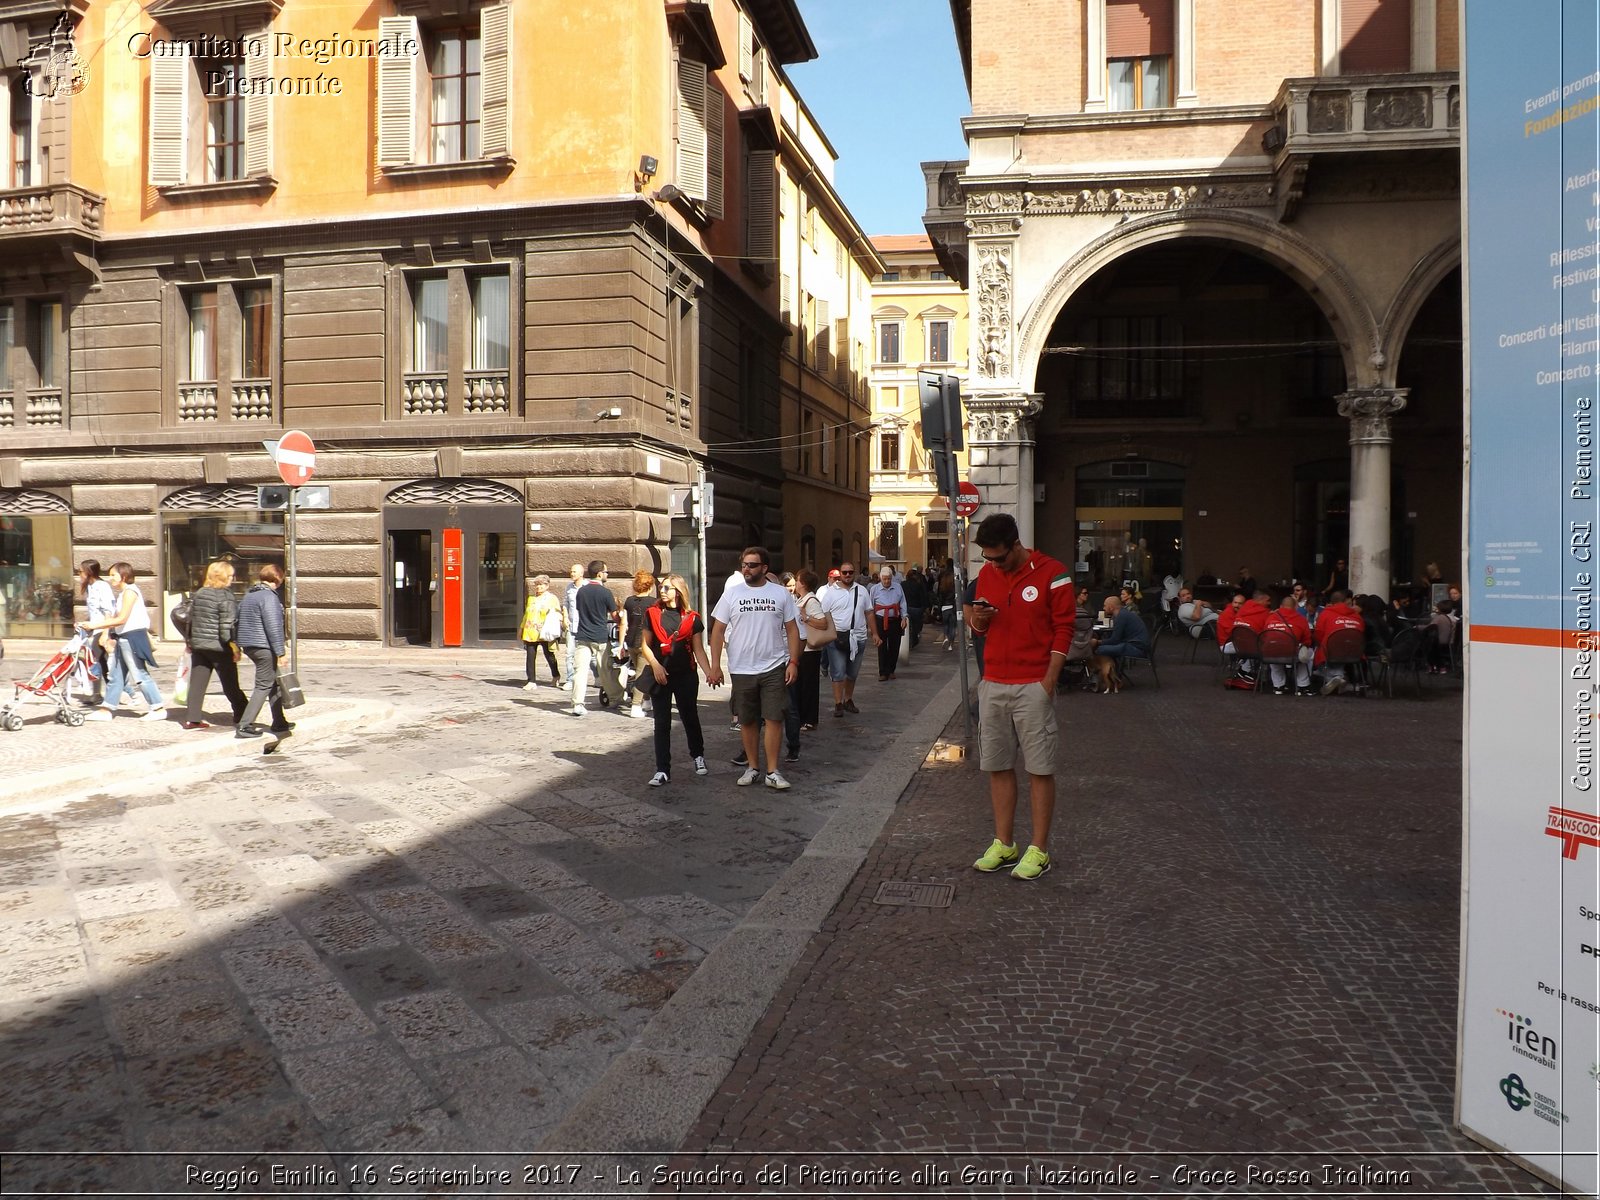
(1079, 657)
(1340, 613)
(1304, 602)
(1127, 638)
(1225, 623)
(1443, 625)
(1196, 616)
(1287, 616)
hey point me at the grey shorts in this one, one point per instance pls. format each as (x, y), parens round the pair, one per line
(763, 697)
(1013, 716)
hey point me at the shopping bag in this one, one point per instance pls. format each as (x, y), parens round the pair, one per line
(180, 689)
(289, 689)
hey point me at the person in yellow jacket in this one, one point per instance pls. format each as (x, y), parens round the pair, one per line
(543, 625)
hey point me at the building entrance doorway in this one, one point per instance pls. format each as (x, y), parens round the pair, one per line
(1130, 523)
(454, 570)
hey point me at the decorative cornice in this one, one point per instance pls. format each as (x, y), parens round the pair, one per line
(1069, 198)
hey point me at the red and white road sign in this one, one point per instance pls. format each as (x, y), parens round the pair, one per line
(968, 500)
(296, 457)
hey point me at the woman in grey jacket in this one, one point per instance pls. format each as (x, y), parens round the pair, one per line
(261, 637)
(213, 622)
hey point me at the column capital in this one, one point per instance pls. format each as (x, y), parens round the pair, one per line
(1368, 410)
(999, 417)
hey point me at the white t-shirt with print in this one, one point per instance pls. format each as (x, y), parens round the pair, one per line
(757, 621)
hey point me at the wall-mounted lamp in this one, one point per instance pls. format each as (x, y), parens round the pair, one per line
(1272, 139)
(668, 194)
(645, 173)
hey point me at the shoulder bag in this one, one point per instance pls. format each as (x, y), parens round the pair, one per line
(816, 638)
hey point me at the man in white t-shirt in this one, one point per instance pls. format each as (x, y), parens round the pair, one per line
(850, 605)
(760, 625)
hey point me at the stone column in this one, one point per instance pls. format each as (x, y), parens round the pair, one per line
(1368, 410)
(1000, 454)
(1000, 438)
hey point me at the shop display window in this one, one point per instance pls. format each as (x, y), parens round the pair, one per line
(36, 576)
(247, 537)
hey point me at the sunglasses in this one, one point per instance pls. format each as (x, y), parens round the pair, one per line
(996, 558)
(752, 566)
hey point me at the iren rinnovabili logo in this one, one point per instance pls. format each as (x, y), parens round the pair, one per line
(1527, 1041)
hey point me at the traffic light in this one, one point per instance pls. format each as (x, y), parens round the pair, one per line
(271, 497)
(940, 396)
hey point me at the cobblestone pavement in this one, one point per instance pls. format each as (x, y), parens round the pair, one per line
(1247, 947)
(430, 936)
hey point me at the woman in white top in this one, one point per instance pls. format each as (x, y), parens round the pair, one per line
(99, 602)
(131, 652)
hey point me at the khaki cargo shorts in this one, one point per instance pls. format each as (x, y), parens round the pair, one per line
(1013, 715)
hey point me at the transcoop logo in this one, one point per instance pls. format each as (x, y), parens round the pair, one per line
(1573, 828)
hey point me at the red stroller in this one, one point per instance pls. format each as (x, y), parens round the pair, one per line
(53, 682)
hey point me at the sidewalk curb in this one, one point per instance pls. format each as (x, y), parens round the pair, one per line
(71, 781)
(650, 1096)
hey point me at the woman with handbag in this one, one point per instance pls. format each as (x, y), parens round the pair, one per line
(213, 631)
(673, 650)
(542, 627)
(818, 628)
(261, 639)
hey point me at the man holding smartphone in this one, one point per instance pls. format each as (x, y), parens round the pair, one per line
(1023, 605)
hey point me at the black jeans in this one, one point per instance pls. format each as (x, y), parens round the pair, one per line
(532, 665)
(916, 615)
(889, 649)
(203, 663)
(265, 685)
(684, 687)
(807, 688)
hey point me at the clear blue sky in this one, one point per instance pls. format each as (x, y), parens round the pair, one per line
(886, 87)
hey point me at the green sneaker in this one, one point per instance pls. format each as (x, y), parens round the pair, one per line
(996, 856)
(1035, 862)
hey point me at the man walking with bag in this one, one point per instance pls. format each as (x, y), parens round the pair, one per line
(850, 606)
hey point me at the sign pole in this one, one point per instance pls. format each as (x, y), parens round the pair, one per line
(294, 590)
(960, 532)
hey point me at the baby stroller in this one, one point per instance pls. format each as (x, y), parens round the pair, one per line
(53, 682)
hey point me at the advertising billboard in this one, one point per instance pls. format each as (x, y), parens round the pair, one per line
(1530, 994)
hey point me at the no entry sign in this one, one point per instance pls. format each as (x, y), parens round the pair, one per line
(296, 457)
(967, 500)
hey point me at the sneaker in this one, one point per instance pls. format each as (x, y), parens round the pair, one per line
(735, 727)
(566, 685)
(1035, 862)
(530, 686)
(838, 710)
(658, 779)
(1305, 691)
(739, 760)
(577, 710)
(158, 713)
(605, 700)
(639, 713)
(99, 714)
(1280, 691)
(792, 754)
(996, 856)
(777, 782)
(700, 767)
(750, 776)
(197, 724)
(1332, 686)
(850, 706)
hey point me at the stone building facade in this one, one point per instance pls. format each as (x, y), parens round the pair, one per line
(1214, 260)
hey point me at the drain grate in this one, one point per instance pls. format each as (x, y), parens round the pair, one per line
(918, 895)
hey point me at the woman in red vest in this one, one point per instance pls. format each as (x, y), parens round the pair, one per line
(674, 651)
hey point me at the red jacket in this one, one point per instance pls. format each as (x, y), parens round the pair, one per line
(1336, 616)
(1254, 614)
(1033, 618)
(1293, 622)
(1226, 616)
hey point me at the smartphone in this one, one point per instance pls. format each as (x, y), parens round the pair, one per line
(980, 602)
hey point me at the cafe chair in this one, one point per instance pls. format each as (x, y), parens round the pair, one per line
(1127, 661)
(1410, 651)
(1279, 648)
(1347, 648)
(1245, 646)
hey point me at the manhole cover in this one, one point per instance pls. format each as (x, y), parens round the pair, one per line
(919, 895)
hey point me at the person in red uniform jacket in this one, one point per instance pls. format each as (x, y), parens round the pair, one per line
(1225, 619)
(1023, 603)
(1287, 616)
(1340, 614)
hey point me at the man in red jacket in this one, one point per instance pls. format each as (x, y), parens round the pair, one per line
(1023, 603)
(1340, 614)
(1287, 616)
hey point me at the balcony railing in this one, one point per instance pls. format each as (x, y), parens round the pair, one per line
(1368, 112)
(56, 208)
(197, 402)
(488, 392)
(252, 400)
(425, 395)
(46, 407)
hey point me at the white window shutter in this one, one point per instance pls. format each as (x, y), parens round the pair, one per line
(715, 165)
(397, 91)
(747, 48)
(495, 120)
(692, 128)
(761, 206)
(169, 116)
(758, 76)
(258, 106)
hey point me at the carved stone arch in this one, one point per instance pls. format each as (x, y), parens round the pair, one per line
(1325, 281)
(1432, 269)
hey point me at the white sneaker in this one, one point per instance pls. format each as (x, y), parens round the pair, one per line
(530, 686)
(639, 712)
(659, 778)
(566, 685)
(99, 714)
(750, 776)
(777, 782)
(700, 767)
(155, 714)
(578, 710)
